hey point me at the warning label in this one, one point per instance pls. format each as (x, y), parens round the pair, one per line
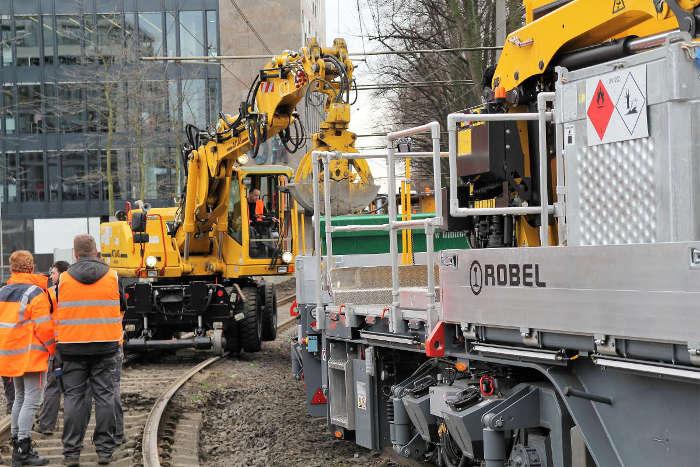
(616, 106)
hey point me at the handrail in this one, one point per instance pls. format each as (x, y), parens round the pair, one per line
(542, 116)
(429, 224)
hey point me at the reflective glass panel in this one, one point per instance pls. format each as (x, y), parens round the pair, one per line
(151, 32)
(68, 35)
(212, 31)
(191, 33)
(27, 31)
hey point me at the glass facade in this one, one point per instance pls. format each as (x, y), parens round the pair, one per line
(75, 95)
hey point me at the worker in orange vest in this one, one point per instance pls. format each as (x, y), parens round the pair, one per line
(88, 333)
(256, 206)
(48, 415)
(26, 341)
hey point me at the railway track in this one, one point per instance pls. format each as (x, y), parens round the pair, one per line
(154, 436)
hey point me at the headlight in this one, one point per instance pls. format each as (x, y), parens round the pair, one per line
(243, 159)
(287, 257)
(151, 261)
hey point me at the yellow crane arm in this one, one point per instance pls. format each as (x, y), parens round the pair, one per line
(554, 27)
(269, 110)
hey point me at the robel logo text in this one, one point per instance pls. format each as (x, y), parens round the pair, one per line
(504, 275)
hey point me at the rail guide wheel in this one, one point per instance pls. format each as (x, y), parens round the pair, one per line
(250, 327)
(269, 312)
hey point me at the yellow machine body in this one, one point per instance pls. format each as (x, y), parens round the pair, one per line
(230, 258)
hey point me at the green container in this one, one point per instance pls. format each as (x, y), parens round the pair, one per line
(377, 241)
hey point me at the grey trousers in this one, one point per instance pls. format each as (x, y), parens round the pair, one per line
(28, 388)
(97, 374)
(9, 387)
(52, 399)
(118, 410)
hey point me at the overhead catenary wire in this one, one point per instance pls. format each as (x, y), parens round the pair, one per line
(351, 54)
(414, 84)
(250, 25)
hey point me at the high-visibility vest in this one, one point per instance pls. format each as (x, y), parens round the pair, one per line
(26, 329)
(259, 210)
(88, 312)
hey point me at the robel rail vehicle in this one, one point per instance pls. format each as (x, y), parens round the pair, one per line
(569, 333)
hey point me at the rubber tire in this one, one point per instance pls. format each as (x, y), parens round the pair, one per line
(250, 328)
(269, 313)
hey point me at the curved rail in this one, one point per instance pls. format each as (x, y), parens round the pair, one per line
(149, 447)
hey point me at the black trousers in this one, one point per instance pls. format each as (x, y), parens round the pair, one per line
(52, 398)
(9, 392)
(97, 374)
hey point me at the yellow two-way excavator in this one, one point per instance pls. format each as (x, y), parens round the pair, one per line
(191, 273)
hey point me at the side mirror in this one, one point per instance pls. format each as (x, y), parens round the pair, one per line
(138, 222)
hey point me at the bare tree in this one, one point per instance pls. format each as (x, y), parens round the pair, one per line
(434, 24)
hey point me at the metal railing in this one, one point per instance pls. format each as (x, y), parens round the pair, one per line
(542, 116)
(393, 225)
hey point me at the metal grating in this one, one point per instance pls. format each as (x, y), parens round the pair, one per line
(617, 181)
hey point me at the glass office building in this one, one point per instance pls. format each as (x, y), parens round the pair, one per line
(76, 99)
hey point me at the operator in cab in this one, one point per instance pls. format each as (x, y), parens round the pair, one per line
(256, 206)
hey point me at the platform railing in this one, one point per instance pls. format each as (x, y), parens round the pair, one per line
(542, 116)
(430, 224)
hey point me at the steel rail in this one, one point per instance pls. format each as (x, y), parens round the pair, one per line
(150, 452)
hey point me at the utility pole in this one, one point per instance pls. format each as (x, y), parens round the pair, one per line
(501, 24)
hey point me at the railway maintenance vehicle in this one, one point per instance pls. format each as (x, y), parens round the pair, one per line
(192, 273)
(568, 334)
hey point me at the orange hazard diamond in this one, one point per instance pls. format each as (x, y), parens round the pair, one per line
(600, 109)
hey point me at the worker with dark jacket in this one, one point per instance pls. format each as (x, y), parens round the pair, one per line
(26, 341)
(48, 415)
(88, 331)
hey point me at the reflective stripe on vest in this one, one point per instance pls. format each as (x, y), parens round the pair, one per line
(88, 312)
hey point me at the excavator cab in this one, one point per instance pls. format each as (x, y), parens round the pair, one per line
(261, 218)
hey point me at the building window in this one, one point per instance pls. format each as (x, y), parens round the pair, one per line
(171, 33)
(27, 31)
(53, 176)
(212, 33)
(47, 23)
(73, 176)
(191, 33)
(7, 110)
(97, 107)
(151, 31)
(30, 179)
(71, 107)
(160, 178)
(11, 176)
(110, 37)
(68, 34)
(154, 111)
(5, 40)
(213, 98)
(194, 102)
(29, 115)
(96, 175)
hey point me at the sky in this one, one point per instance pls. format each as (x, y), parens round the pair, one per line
(343, 20)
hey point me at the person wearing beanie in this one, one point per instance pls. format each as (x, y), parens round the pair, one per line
(26, 342)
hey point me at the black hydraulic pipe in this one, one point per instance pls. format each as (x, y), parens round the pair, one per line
(597, 54)
(569, 391)
(140, 344)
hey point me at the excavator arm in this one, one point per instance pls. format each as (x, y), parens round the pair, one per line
(269, 110)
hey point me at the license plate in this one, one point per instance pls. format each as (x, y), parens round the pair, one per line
(152, 273)
(282, 269)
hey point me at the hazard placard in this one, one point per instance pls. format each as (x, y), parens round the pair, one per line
(616, 106)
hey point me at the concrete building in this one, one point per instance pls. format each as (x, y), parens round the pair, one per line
(64, 63)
